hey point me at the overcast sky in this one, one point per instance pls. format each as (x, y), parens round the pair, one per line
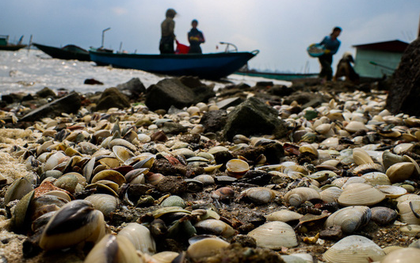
(280, 29)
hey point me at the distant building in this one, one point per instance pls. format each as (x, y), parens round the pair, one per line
(378, 59)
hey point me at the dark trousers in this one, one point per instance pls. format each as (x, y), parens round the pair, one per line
(326, 69)
(166, 45)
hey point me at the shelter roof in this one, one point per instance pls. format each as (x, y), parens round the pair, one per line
(388, 46)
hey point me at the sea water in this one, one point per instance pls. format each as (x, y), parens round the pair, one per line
(31, 70)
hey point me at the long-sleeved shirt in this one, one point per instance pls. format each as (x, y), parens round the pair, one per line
(331, 44)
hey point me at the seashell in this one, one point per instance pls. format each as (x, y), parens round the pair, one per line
(165, 256)
(284, 215)
(111, 175)
(309, 149)
(20, 215)
(174, 200)
(237, 167)
(67, 182)
(104, 203)
(142, 161)
(122, 153)
(258, 195)
(354, 249)
(114, 248)
(154, 178)
(360, 194)
(223, 193)
(350, 219)
(122, 142)
(18, 189)
(274, 235)
(392, 191)
(383, 215)
(367, 168)
(136, 176)
(206, 247)
(75, 222)
(406, 255)
(215, 227)
(409, 211)
(323, 175)
(408, 197)
(206, 179)
(354, 126)
(299, 195)
(400, 171)
(59, 194)
(376, 178)
(360, 156)
(54, 160)
(353, 180)
(140, 237)
(323, 128)
(403, 148)
(330, 194)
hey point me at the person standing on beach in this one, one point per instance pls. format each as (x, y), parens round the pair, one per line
(166, 45)
(331, 44)
(195, 37)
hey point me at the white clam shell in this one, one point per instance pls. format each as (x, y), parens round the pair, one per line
(206, 247)
(392, 191)
(283, 215)
(406, 255)
(216, 227)
(406, 209)
(360, 194)
(360, 156)
(274, 235)
(350, 218)
(104, 203)
(299, 195)
(376, 178)
(140, 237)
(355, 126)
(354, 249)
(330, 194)
(400, 171)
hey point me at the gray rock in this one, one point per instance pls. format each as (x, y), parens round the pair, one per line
(133, 88)
(112, 98)
(46, 92)
(214, 121)
(404, 94)
(172, 92)
(253, 117)
(68, 104)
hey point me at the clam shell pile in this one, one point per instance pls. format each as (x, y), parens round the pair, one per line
(89, 187)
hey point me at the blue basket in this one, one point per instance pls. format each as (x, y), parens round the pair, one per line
(316, 50)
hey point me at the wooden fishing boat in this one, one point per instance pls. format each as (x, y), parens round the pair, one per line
(6, 46)
(206, 66)
(67, 52)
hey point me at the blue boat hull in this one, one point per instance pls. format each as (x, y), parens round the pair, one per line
(206, 66)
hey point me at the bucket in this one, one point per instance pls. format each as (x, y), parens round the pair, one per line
(181, 48)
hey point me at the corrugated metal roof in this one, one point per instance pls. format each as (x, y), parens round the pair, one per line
(388, 46)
